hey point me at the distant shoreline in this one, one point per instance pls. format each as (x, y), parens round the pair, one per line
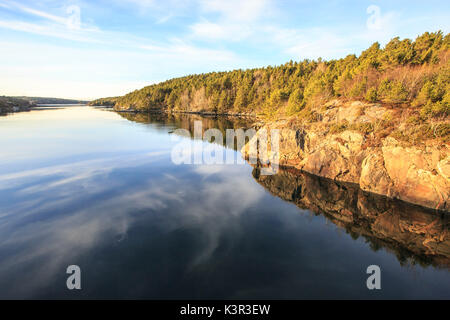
(5, 110)
(61, 105)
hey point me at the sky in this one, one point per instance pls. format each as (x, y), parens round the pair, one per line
(86, 49)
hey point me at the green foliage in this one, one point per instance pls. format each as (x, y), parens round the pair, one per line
(388, 75)
(393, 91)
(295, 102)
(372, 95)
(371, 57)
(442, 130)
(318, 90)
(427, 47)
(240, 103)
(398, 52)
(339, 127)
(364, 127)
(436, 109)
(434, 96)
(359, 89)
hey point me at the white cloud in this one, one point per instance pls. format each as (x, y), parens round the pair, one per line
(46, 30)
(238, 20)
(252, 21)
(224, 31)
(237, 10)
(377, 21)
(143, 3)
(161, 11)
(118, 60)
(165, 18)
(117, 64)
(181, 49)
(71, 21)
(309, 43)
(63, 27)
(87, 73)
(380, 26)
(48, 16)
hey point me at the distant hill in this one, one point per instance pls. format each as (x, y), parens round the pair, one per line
(45, 100)
(16, 104)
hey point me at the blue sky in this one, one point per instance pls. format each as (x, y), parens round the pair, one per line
(89, 49)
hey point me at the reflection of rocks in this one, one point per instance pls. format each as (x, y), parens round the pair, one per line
(413, 233)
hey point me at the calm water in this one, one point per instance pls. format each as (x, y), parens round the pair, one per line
(98, 189)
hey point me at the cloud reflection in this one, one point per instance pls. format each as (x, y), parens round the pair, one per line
(62, 212)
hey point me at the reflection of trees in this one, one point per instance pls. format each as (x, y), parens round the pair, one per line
(414, 234)
(164, 121)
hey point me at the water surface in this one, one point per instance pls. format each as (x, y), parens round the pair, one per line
(98, 189)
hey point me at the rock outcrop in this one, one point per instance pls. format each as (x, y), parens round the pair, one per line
(418, 174)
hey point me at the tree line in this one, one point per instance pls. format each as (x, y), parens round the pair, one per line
(404, 73)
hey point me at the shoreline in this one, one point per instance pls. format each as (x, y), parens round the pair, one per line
(201, 113)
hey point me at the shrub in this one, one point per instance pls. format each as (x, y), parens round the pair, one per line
(339, 127)
(359, 89)
(393, 91)
(295, 102)
(442, 130)
(372, 95)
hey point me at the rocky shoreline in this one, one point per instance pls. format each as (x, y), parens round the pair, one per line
(384, 165)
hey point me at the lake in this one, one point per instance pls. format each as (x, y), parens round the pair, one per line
(94, 188)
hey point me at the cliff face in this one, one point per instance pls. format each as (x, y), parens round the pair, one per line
(418, 173)
(411, 232)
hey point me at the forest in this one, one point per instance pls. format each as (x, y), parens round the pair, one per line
(403, 73)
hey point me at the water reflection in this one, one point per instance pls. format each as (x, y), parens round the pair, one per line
(414, 234)
(186, 121)
(105, 195)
